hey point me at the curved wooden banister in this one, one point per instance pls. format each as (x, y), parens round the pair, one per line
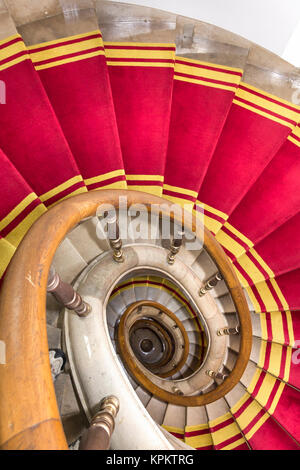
(29, 416)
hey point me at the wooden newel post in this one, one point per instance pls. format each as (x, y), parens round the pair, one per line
(66, 295)
(98, 436)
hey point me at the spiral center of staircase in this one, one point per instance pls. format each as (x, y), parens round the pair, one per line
(146, 345)
(154, 336)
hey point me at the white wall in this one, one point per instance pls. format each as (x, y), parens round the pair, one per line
(270, 23)
(292, 50)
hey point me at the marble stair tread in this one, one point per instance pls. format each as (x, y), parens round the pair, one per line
(175, 416)
(196, 415)
(256, 348)
(217, 409)
(235, 395)
(86, 241)
(219, 290)
(111, 315)
(141, 292)
(54, 337)
(204, 267)
(59, 386)
(143, 395)
(225, 303)
(117, 304)
(128, 296)
(156, 408)
(67, 261)
(248, 374)
(256, 324)
(231, 359)
(73, 419)
(53, 309)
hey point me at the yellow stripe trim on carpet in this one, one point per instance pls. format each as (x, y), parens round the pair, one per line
(6, 254)
(209, 64)
(12, 50)
(294, 135)
(174, 429)
(279, 293)
(235, 408)
(238, 234)
(65, 39)
(140, 64)
(69, 60)
(265, 389)
(105, 176)
(252, 270)
(138, 54)
(17, 210)
(264, 114)
(212, 224)
(265, 102)
(184, 203)
(257, 426)
(276, 398)
(193, 67)
(155, 190)
(166, 45)
(277, 327)
(204, 83)
(178, 189)
(58, 189)
(211, 209)
(235, 444)
(115, 185)
(80, 190)
(64, 50)
(16, 235)
(225, 433)
(263, 264)
(290, 327)
(137, 51)
(145, 178)
(249, 414)
(230, 243)
(203, 440)
(267, 297)
(9, 39)
(263, 395)
(263, 325)
(294, 141)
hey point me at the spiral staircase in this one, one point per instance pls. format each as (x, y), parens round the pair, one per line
(194, 331)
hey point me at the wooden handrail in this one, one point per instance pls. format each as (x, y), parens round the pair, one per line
(29, 416)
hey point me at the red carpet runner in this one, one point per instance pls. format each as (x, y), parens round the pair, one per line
(74, 73)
